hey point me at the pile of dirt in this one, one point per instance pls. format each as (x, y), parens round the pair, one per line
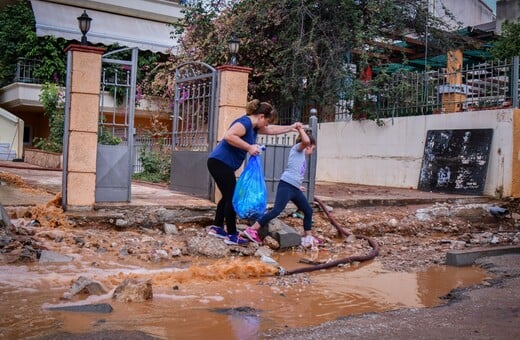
(410, 237)
(407, 241)
(18, 182)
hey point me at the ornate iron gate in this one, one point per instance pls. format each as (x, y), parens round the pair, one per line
(116, 126)
(193, 128)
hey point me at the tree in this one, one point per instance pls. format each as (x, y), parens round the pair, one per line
(52, 98)
(508, 44)
(299, 49)
(18, 39)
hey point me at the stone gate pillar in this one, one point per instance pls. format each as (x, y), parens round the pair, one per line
(232, 100)
(80, 144)
(454, 92)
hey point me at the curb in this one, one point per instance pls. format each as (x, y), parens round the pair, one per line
(460, 258)
(385, 202)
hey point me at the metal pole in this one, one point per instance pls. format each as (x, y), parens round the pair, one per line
(131, 130)
(514, 82)
(66, 125)
(313, 124)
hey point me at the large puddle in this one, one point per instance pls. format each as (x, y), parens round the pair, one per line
(233, 299)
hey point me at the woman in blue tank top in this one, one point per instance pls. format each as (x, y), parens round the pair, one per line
(229, 154)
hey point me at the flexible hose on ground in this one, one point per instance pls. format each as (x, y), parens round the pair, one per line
(373, 253)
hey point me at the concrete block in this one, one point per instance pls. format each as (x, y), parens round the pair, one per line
(82, 187)
(5, 221)
(86, 68)
(48, 256)
(286, 235)
(287, 239)
(459, 258)
(82, 155)
(84, 110)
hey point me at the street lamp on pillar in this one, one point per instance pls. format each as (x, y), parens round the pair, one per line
(84, 25)
(233, 45)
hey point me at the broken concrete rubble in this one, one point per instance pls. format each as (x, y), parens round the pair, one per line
(86, 286)
(133, 290)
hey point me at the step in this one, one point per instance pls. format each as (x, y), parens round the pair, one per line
(7, 156)
(5, 147)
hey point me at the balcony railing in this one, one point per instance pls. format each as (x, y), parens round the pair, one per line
(24, 71)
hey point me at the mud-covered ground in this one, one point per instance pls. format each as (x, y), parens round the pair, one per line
(409, 237)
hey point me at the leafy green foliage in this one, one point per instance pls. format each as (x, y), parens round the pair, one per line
(299, 49)
(155, 156)
(18, 40)
(52, 98)
(106, 138)
(156, 167)
(508, 44)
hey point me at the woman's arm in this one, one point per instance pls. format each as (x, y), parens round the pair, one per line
(233, 137)
(279, 129)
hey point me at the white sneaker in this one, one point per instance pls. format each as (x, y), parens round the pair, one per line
(308, 241)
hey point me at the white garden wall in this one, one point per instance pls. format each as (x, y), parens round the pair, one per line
(361, 152)
(11, 136)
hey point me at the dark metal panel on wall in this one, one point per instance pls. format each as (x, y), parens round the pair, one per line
(456, 161)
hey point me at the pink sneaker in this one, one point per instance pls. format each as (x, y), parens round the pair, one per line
(252, 234)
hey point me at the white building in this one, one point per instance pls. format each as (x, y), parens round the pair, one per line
(133, 23)
(466, 12)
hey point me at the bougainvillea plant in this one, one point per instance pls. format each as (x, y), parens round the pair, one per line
(298, 48)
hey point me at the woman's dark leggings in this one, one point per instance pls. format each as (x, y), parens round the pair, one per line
(226, 181)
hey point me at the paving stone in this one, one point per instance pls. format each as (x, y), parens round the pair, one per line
(48, 256)
(91, 308)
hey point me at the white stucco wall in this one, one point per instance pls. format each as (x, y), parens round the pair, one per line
(391, 155)
(467, 12)
(11, 135)
(507, 10)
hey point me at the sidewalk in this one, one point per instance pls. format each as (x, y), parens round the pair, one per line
(149, 194)
(142, 194)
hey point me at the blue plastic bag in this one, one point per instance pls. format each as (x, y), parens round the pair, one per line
(250, 196)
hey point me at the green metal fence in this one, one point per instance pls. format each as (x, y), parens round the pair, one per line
(483, 86)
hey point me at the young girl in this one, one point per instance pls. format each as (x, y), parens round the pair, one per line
(290, 189)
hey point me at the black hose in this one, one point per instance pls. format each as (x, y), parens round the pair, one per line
(373, 253)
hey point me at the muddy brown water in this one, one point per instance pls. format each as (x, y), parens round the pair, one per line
(232, 299)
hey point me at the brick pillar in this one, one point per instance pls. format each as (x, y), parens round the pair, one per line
(454, 93)
(80, 164)
(232, 100)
